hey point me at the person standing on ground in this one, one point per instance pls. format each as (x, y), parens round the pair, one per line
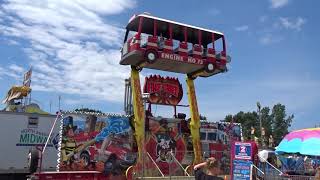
(207, 170)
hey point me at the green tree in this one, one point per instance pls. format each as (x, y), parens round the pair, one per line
(202, 117)
(247, 120)
(266, 121)
(275, 123)
(87, 110)
(280, 122)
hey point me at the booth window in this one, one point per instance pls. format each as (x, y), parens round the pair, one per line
(212, 136)
(203, 136)
(33, 122)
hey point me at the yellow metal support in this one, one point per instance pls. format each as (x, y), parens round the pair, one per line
(138, 109)
(195, 121)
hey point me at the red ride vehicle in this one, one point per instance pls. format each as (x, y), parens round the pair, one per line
(157, 43)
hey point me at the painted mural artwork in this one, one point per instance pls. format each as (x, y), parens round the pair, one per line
(107, 143)
(167, 143)
(100, 143)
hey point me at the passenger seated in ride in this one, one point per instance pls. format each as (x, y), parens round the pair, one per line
(204, 52)
(176, 46)
(197, 51)
(161, 42)
(144, 41)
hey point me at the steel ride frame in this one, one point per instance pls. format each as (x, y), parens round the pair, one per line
(139, 116)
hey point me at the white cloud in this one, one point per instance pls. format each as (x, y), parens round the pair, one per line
(106, 6)
(273, 32)
(1, 72)
(1, 15)
(17, 76)
(72, 48)
(16, 68)
(69, 101)
(13, 42)
(267, 39)
(242, 28)
(292, 24)
(278, 3)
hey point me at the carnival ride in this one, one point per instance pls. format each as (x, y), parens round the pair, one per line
(15, 93)
(194, 55)
(17, 99)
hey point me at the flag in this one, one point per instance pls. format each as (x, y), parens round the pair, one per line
(27, 83)
(27, 78)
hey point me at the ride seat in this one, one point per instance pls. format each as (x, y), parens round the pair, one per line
(221, 60)
(183, 49)
(197, 51)
(168, 46)
(152, 42)
(211, 55)
(134, 42)
(221, 57)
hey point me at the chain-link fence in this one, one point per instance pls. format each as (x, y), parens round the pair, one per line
(273, 171)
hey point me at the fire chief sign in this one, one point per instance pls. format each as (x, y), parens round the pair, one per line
(163, 90)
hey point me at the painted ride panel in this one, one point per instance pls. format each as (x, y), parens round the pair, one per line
(167, 143)
(101, 143)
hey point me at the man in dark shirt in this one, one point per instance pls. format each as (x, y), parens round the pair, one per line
(212, 169)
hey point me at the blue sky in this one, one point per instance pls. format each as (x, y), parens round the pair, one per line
(73, 47)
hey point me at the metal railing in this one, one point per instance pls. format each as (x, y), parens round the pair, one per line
(174, 158)
(274, 173)
(155, 164)
(266, 161)
(170, 167)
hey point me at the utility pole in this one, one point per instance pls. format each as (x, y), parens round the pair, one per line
(50, 104)
(59, 102)
(259, 115)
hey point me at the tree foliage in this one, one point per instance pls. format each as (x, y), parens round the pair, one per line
(275, 123)
(202, 117)
(87, 110)
(281, 122)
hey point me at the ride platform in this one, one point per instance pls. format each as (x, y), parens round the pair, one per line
(69, 175)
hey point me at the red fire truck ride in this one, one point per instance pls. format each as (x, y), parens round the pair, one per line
(166, 45)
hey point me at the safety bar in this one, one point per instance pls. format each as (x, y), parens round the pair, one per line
(45, 145)
(185, 171)
(54, 123)
(252, 165)
(155, 164)
(271, 165)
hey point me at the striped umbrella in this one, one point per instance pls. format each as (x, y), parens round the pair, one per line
(304, 141)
